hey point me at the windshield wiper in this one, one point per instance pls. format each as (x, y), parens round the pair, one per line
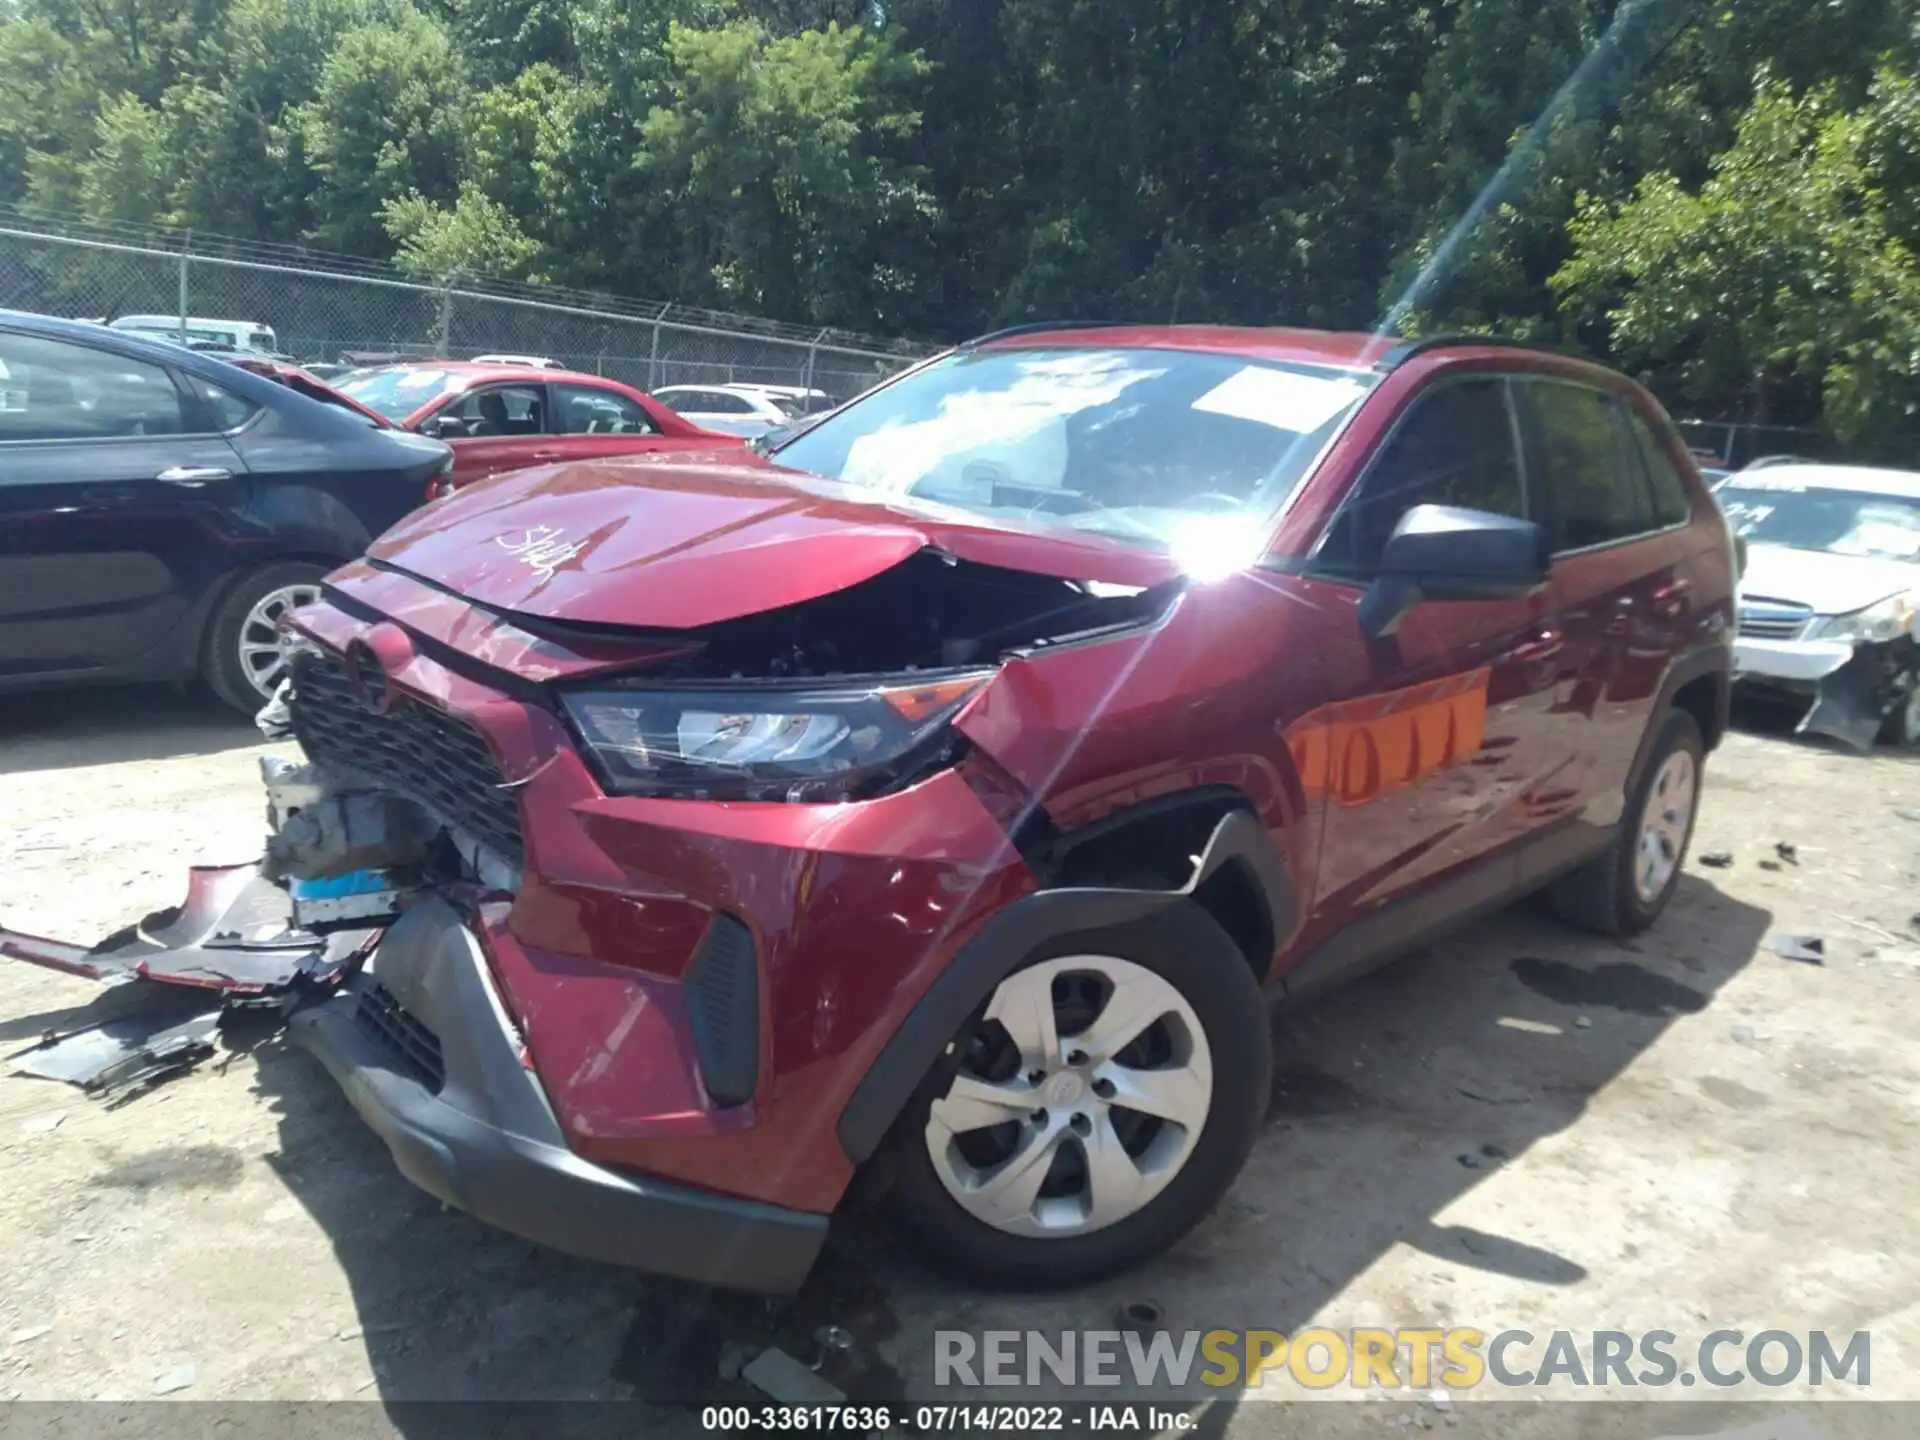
(780, 434)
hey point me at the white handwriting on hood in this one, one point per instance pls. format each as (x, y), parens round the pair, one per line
(541, 549)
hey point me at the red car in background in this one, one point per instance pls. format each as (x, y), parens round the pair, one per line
(508, 417)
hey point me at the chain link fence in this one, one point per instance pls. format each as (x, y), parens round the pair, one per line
(329, 309)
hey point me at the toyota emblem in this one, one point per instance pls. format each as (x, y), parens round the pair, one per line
(367, 679)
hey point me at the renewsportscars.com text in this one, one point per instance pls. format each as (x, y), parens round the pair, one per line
(1459, 1358)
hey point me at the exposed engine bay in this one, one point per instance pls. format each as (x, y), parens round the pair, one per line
(930, 611)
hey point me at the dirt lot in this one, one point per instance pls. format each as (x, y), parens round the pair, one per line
(1684, 1132)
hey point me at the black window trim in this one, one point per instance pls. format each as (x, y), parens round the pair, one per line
(1622, 437)
(192, 409)
(1309, 566)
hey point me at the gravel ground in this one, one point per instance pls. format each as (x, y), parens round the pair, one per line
(1683, 1132)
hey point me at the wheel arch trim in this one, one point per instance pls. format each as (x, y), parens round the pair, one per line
(1014, 933)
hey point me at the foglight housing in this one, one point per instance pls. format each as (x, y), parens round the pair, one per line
(812, 742)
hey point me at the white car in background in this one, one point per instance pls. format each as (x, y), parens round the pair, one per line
(538, 362)
(200, 330)
(1830, 594)
(747, 410)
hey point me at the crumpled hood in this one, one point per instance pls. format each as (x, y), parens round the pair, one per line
(1831, 584)
(681, 542)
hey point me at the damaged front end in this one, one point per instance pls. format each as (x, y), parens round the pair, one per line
(1852, 692)
(842, 696)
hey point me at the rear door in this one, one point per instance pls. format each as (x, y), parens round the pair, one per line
(501, 427)
(1427, 766)
(591, 421)
(117, 500)
(1619, 587)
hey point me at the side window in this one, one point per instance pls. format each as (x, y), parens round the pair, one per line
(586, 410)
(722, 402)
(221, 408)
(1671, 504)
(500, 410)
(54, 390)
(1583, 465)
(1455, 447)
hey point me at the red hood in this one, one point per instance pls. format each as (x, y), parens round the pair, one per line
(679, 542)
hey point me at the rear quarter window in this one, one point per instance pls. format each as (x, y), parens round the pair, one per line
(1671, 503)
(1591, 478)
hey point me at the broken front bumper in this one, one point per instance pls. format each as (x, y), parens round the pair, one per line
(1794, 660)
(419, 1042)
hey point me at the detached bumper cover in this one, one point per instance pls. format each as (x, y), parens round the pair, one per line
(1804, 660)
(470, 1125)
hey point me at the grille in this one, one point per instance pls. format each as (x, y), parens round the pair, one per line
(413, 750)
(1773, 619)
(412, 1045)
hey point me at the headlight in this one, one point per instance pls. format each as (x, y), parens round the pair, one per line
(1888, 620)
(812, 742)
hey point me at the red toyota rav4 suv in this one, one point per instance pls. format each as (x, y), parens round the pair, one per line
(938, 793)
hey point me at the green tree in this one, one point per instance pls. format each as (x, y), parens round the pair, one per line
(1782, 271)
(385, 121)
(474, 236)
(782, 161)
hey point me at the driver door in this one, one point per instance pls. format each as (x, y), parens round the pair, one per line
(1426, 766)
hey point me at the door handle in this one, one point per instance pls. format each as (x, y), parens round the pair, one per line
(1544, 646)
(192, 477)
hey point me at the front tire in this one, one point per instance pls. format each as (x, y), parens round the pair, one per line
(1092, 1111)
(241, 660)
(1624, 890)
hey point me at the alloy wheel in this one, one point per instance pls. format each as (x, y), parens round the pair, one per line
(259, 643)
(1665, 821)
(1077, 1100)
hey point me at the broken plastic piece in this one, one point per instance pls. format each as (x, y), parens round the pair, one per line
(275, 719)
(1807, 949)
(234, 934)
(776, 1373)
(1716, 859)
(343, 833)
(1847, 705)
(132, 1049)
(363, 896)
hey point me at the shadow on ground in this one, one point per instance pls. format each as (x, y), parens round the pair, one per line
(1393, 1099)
(66, 729)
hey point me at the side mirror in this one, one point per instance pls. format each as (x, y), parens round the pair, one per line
(444, 427)
(1443, 552)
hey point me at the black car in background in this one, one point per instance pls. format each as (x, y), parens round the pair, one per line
(159, 510)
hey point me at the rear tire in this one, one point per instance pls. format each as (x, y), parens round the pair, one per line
(1623, 891)
(238, 658)
(1110, 1184)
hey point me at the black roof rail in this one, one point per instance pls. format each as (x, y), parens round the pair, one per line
(1041, 327)
(1407, 349)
